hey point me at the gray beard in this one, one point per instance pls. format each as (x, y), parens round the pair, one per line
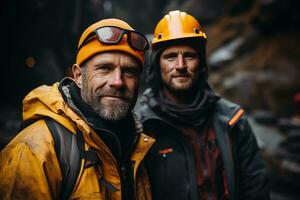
(112, 111)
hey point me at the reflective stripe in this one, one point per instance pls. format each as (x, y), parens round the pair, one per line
(236, 117)
(165, 151)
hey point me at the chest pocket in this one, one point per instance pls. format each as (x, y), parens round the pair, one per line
(170, 167)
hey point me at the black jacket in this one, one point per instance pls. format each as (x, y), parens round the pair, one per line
(174, 177)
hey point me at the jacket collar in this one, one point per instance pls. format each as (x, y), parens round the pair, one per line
(228, 112)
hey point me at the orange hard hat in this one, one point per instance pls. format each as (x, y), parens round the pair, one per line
(177, 25)
(93, 46)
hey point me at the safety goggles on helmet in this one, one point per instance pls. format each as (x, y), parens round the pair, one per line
(113, 35)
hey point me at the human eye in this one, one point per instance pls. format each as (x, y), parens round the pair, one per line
(131, 71)
(103, 68)
(190, 56)
(170, 57)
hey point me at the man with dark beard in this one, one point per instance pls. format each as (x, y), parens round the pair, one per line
(95, 109)
(205, 148)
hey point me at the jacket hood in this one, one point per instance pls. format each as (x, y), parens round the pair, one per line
(47, 101)
(44, 101)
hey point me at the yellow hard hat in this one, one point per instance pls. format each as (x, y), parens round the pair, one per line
(177, 25)
(93, 46)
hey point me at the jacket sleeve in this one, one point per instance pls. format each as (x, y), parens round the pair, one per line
(28, 166)
(252, 178)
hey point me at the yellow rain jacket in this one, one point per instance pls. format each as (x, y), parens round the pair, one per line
(29, 168)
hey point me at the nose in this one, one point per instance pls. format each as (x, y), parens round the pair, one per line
(116, 79)
(180, 62)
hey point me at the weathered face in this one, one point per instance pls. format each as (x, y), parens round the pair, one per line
(109, 83)
(179, 67)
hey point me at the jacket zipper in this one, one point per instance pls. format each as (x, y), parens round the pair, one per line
(119, 167)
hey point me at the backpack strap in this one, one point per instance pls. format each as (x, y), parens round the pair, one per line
(68, 155)
(95, 161)
(69, 149)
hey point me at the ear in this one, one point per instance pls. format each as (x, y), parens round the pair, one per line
(77, 74)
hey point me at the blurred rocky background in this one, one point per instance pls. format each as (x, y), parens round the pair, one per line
(253, 54)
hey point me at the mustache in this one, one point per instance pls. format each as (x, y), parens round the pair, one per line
(180, 74)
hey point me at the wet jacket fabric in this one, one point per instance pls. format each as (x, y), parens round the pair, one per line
(29, 167)
(171, 165)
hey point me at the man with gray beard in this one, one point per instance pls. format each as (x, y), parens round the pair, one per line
(112, 110)
(96, 107)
